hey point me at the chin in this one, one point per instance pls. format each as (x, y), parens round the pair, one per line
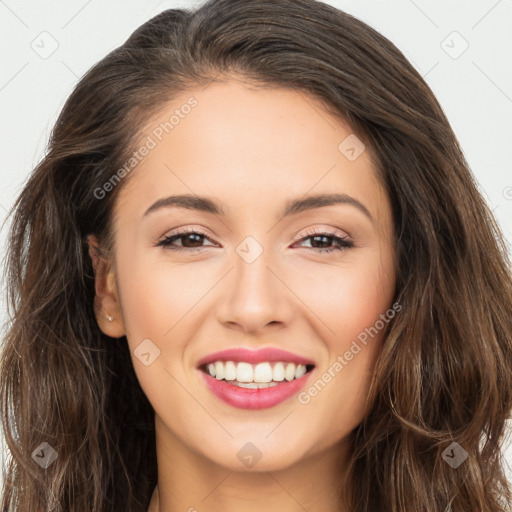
(255, 456)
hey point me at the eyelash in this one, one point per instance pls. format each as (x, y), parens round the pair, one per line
(343, 244)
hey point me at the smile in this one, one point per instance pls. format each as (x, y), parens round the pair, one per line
(258, 376)
(242, 379)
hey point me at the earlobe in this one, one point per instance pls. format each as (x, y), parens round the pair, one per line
(107, 307)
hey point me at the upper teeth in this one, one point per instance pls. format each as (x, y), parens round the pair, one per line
(262, 372)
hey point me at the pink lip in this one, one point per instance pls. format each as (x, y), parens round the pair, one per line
(245, 398)
(254, 356)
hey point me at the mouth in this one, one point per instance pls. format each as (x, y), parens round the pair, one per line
(250, 379)
(255, 376)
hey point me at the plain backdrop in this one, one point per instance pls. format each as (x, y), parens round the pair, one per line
(463, 49)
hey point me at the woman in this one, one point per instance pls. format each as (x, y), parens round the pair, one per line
(254, 270)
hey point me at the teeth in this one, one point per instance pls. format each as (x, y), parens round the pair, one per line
(244, 372)
(300, 371)
(263, 372)
(219, 370)
(230, 371)
(278, 372)
(254, 385)
(255, 376)
(289, 373)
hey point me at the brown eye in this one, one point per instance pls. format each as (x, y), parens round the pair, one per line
(190, 239)
(327, 242)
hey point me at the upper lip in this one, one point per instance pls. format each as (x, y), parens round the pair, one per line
(261, 355)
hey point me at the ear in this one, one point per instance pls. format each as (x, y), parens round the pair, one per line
(106, 301)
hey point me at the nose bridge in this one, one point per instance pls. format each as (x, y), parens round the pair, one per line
(255, 296)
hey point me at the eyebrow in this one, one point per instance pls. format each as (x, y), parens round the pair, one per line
(205, 204)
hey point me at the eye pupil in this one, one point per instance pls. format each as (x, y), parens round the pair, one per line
(189, 237)
(325, 239)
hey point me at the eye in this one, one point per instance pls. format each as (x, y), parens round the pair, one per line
(322, 238)
(192, 239)
(188, 238)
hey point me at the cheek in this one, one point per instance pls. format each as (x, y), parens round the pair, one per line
(348, 298)
(156, 307)
(161, 302)
(355, 309)
(156, 293)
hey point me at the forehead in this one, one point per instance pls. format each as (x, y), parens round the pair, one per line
(248, 144)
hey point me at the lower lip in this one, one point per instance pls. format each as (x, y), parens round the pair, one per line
(245, 398)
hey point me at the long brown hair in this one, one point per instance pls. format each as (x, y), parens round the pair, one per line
(444, 374)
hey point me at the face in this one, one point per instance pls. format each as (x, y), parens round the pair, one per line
(239, 267)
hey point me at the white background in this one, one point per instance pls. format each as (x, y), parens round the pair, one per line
(474, 88)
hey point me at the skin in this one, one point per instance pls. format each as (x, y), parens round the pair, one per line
(251, 149)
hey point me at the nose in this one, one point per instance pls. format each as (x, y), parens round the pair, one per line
(255, 297)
